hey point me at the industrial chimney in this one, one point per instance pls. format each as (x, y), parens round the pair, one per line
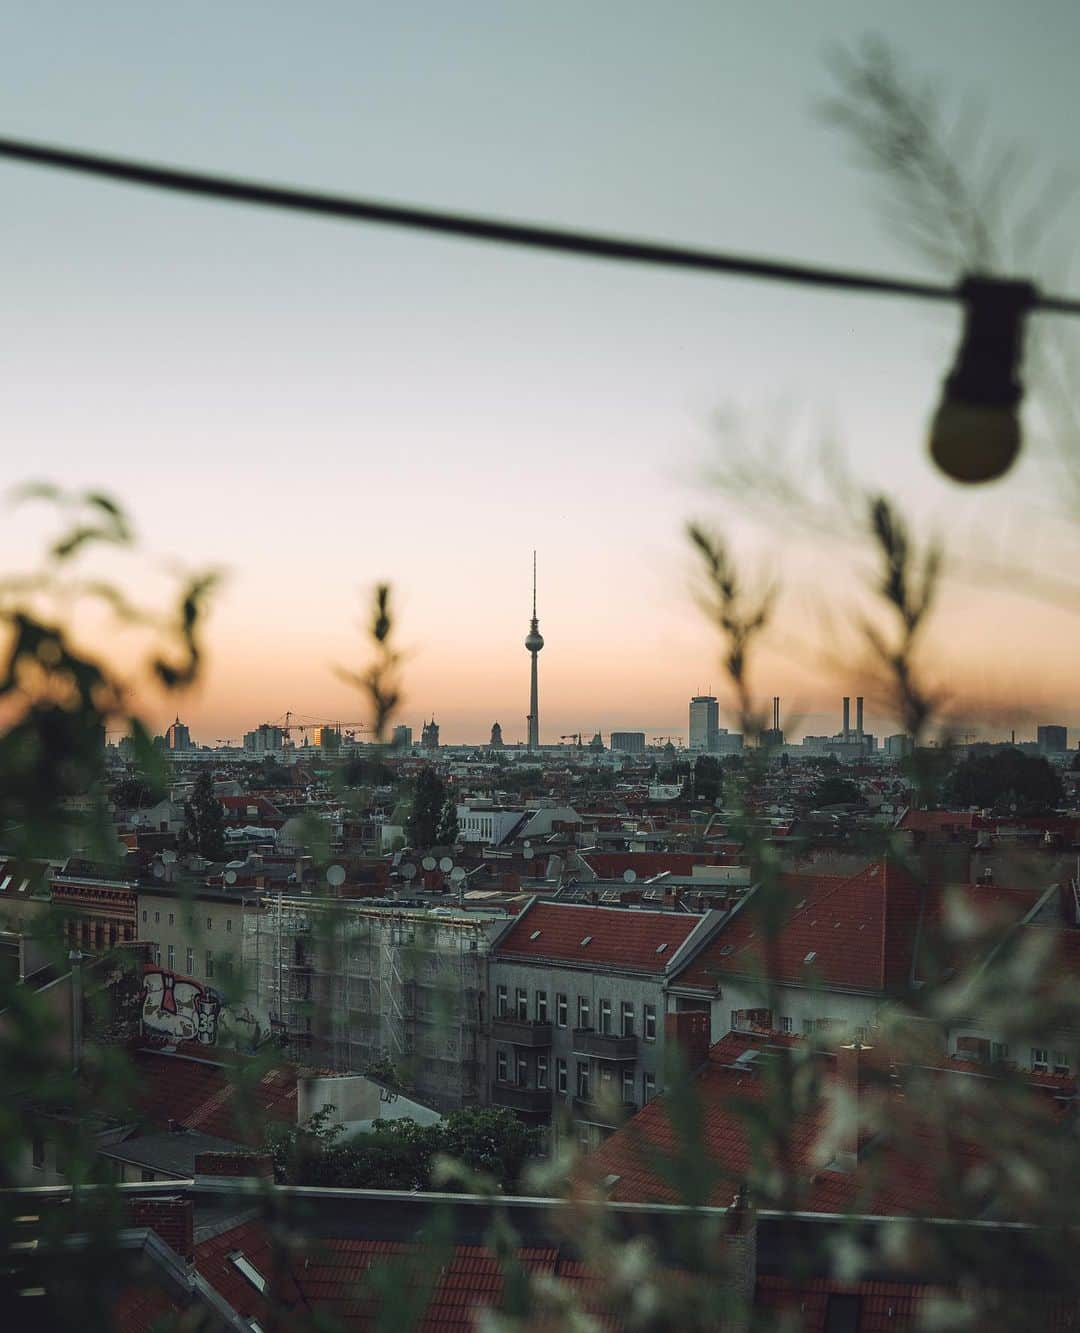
(846, 731)
(858, 717)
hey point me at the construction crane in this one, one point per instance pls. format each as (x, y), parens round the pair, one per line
(573, 736)
(304, 724)
(667, 740)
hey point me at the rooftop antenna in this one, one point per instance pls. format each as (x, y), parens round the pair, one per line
(534, 586)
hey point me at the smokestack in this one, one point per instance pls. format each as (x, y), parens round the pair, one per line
(776, 712)
(846, 732)
(858, 717)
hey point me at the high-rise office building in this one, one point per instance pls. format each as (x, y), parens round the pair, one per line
(1053, 740)
(704, 721)
(178, 737)
(402, 737)
(628, 742)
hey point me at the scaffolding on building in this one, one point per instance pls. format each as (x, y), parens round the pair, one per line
(349, 987)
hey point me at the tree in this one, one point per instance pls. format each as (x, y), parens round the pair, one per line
(835, 791)
(708, 778)
(1006, 779)
(429, 797)
(131, 793)
(203, 833)
(449, 832)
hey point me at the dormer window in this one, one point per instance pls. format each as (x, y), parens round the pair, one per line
(243, 1265)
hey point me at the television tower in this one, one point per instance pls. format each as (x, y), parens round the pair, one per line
(534, 641)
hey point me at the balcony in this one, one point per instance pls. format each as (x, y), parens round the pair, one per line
(520, 1032)
(608, 1113)
(527, 1101)
(604, 1045)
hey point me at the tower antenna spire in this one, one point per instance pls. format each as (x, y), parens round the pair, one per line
(534, 586)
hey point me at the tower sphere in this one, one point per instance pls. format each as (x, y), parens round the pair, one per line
(534, 640)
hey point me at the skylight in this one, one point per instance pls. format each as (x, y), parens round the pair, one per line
(535, 935)
(586, 940)
(243, 1265)
(810, 956)
(661, 947)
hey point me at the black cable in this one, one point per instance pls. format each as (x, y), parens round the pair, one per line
(558, 239)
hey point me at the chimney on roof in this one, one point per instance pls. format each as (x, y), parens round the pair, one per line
(849, 1070)
(171, 1217)
(846, 730)
(688, 1035)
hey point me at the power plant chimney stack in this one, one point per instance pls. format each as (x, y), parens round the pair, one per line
(858, 717)
(846, 732)
(776, 712)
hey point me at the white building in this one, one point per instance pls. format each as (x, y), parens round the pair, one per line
(704, 721)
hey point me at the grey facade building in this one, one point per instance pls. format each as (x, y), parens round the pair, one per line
(704, 721)
(577, 997)
(628, 742)
(1053, 740)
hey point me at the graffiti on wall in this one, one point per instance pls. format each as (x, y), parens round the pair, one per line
(177, 1008)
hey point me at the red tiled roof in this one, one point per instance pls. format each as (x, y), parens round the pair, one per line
(618, 937)
(856, 931)
(142, 1309)
(612, 865)
(203, 1096)
(901, 1177)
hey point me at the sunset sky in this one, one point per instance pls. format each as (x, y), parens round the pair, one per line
(313, 406)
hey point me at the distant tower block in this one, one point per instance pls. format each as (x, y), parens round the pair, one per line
(534, 641)
(496, 741)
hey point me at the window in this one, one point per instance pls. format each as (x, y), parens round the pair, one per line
(172, 918)
(649, 1020)
(157, 954)
(999, 1051)
(521, 1071)
(228, 924)
(157, 918)
(502, 1067)
(1039, 1059)
(862, 1035)
(248, 1269)
(583, 1080)
(1061, 1062)
(628, 1086)
(541, 1006)
(627, 1018)
(521, 1004)
(191, 962)
(144, 916)
(605, 1017)
(560, 1075)
(541, 1071)
(209, 923)
(648, 1088)
(808, 1027)
(785, 1023)
(209, 964)
(172, 957)
(584, 1011)
(500, 1002)
(560, 1010)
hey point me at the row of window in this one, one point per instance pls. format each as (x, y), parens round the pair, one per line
(190, 921)
(189, 962)
(605, 1013)
(95, 935)
(518, 1077)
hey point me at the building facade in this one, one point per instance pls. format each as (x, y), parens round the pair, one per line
(704, 721)
(628, 742)
(577, 1001)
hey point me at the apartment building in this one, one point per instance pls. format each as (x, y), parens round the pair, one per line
(577, 996)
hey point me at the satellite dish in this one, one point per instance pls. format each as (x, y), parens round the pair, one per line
(446, 864)
(335, 876)
(408, 872)
(457, 874)
(428, 863)
(629, 876)
(526, 847)
(230, 876)
(159, 870)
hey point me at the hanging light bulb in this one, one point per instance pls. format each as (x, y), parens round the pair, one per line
(975, 434)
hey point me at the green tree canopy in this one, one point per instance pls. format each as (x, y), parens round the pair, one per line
(449, 832)
(204, 821)
(429, 797)
(835, 791)
(708, 778)
(1004, 779)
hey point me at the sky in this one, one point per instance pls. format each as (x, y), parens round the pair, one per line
(312, 407)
